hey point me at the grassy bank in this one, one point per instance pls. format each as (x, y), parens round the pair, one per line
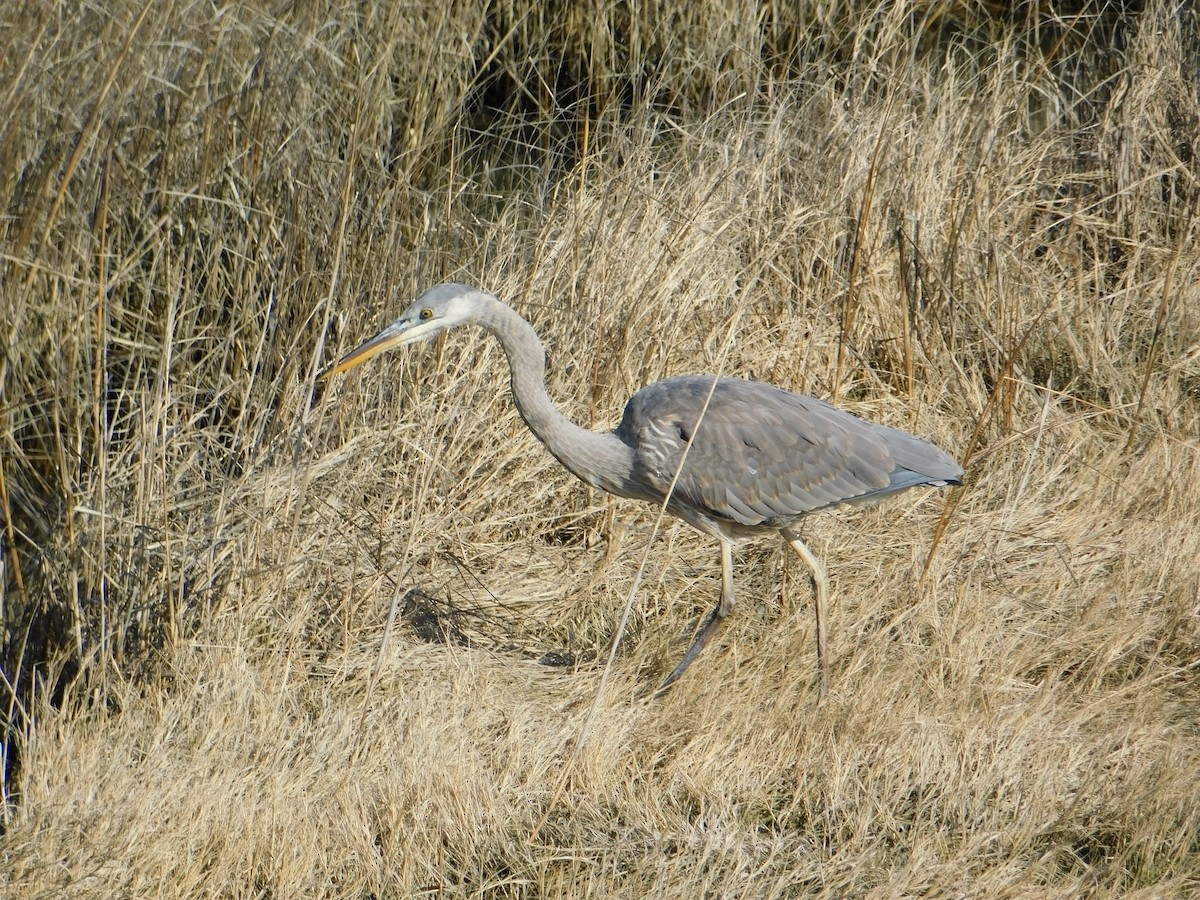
(268, 636)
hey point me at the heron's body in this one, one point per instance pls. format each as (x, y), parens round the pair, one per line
(763, 457)
(758, 458)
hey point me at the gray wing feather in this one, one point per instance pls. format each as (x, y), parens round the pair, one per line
(762, 456)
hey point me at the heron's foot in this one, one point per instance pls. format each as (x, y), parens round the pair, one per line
(711, 626)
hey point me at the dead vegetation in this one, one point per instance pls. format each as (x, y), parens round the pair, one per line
(264, 637)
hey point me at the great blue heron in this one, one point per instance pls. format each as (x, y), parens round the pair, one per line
(758, 457)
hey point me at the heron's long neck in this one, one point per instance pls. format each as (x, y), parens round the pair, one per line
(600, 460)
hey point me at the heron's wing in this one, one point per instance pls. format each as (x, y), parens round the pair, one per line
(762, 456)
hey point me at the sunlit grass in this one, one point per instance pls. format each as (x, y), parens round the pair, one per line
(265, 635)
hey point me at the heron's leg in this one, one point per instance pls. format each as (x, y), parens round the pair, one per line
(821, 585)
(715, 619)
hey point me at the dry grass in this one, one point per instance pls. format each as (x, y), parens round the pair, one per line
(979, 231)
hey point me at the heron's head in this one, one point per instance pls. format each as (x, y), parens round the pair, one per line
(434, 311)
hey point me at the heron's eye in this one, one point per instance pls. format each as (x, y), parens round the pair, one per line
(427, 313)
